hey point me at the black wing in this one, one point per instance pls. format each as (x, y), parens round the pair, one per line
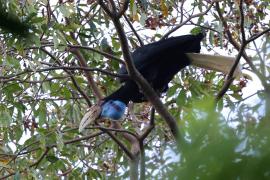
(147, 59)
(158, 63)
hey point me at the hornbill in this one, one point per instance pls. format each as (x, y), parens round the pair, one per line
(158, 62)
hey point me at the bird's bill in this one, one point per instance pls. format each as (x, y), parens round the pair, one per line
(90, 117)
(213, 62)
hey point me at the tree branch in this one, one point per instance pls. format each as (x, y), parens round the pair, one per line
(150, 127)
(188, 19)
(10, 77)
(87, 99)
(237, 46)
(114, 129)
(254, 37)
(142, 83)
(123, 9)
(40, 159)
(109, 56)
(242, 22)
(240, 48)
(134, 31)
(120, 144)
(88, 75)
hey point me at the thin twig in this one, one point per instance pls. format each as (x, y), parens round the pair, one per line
(256, 36)
(114, 129)
(134, 31)
(150, 127)
(87, 99)
(242, 22)
(123, 9)
(188, 19)
(40, 159)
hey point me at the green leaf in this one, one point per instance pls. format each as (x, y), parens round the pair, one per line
(18, 133)
(196, 30)
(172, 90)
(5, 117)
(12, 88)
(37, 20)
(60, 142)
(17, 176)
(181, 99)
(20, 106)
(12, 62)
(55, 41)
(42, 113)
(116, 45)
(65, 10)
(52, 158)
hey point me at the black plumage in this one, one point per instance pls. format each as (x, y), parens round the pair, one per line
(158, 62)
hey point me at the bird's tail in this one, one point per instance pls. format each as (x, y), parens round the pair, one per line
(213, 62)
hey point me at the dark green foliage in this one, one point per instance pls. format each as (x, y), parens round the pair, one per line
(10, 22)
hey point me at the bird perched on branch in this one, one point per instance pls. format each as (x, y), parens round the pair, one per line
(158, 62)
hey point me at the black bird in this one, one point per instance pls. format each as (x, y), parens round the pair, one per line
(158, 62)
(10, 22)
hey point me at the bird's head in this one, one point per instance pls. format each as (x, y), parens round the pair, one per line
(113, 109)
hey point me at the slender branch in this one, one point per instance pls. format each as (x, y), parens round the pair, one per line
(242, 22)
(11, 77)
(143, 84)
(81, 138)
(188, 19)
(113, 8)
(237, 46)
(224, 88)
(105, 8)
(6, 176)
(142, 162)
(107, 55)
(230, 78)
(254, 37)
(88, 75)
(204, 27)
(150, 127)
(241, 50)
(67, 142)
(114, 129)
(40, 159)
(123, 9)
(32, 82)
(181, 10)
(87, 99)
(130, 138)
(51, 99)
(256, 93)
(134, 31)
(69, 170)
(120, 144)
